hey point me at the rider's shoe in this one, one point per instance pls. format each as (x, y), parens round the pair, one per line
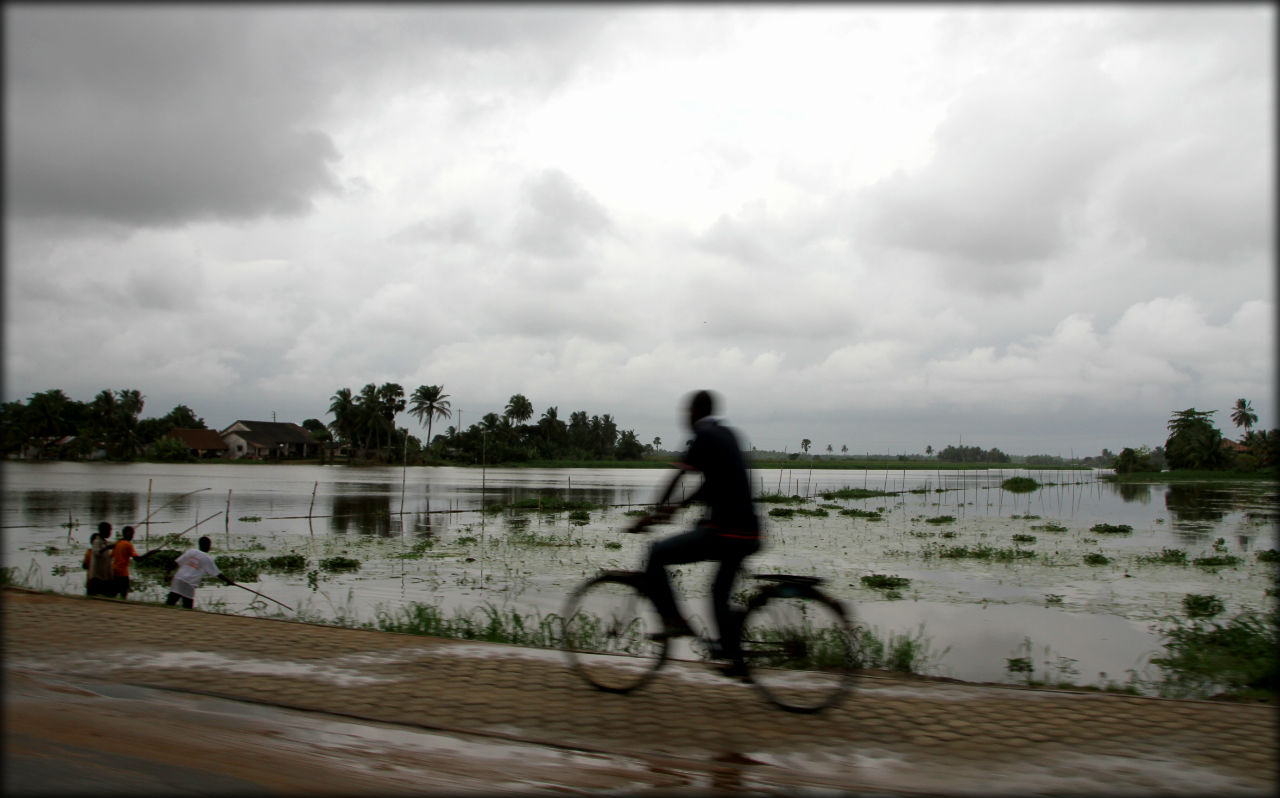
(735, 670)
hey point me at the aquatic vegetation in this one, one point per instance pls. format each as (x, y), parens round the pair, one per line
(238, 567)
(467, 540)
(286, 562)
(339, 563)
(1019, 484)
(782, 512)
(1020, 538)
(867, 514)
(1268, 555)
(781, 498)
(984, 552)
(885, 582)
(250, 519)
(534, 539)
(901, 653)
(1111, 529)
(1049, 527)
(855, 493)
(941, 519)
(1165, 557)
(612, 544)
(1096, 558)
(1239, 657)
(1052, 598)
(1217, 561)
(1195, 605)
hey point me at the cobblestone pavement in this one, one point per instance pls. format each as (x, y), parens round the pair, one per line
(892, 736)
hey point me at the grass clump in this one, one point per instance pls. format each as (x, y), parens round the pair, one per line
(870, 515)
(1269, 555)
(1111, 529)
(250, 519)
(1238, 658)
(286, 562)
(1096, 558)
(1021, 538)
(780, 498)
(984, 552)
(1217, 561)
(238, 567)
(782, 512)
(1165, 557)
(1049, 527)
(855, 493)
(941, 519)
(486, 623)
(1019, 484)
(885, 582)
(339, 563)
(534, 539)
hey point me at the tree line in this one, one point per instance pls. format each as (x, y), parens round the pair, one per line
(365, 424)
(52, 425)
(1195, 443)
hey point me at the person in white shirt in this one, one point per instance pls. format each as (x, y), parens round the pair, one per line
(193, 566)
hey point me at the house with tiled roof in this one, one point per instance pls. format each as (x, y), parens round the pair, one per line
(265, 440)
(200, 442)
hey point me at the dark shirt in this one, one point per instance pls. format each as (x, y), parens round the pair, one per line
(726, 485)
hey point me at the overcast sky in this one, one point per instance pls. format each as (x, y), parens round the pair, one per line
(1040, 229)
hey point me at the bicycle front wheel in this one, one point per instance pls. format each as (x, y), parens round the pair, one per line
(609, 624)
(799, 647)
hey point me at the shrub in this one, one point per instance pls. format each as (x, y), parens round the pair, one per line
(238, 567)
(782, 512)
(1019, 484)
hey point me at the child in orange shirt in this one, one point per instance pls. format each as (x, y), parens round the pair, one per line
(121, 553)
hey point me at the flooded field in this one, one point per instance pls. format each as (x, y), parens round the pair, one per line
(992, 575)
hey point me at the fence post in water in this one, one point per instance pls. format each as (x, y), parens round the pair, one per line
(313, 499)
(146, 534)
(227, 518)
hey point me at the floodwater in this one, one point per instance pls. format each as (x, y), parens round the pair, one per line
(1087, 624)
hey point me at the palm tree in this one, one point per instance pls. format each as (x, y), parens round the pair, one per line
(805, 444)
(519, 409)
(429, 402)
(343, 408)
(1243, 415)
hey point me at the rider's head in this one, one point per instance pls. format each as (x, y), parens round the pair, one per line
(701, 405)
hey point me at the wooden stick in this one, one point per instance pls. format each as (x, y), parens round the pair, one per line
(265, 596)
(166, 504)
(179, 534)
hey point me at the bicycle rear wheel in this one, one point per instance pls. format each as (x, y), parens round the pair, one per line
(608, 625)
(800, 647)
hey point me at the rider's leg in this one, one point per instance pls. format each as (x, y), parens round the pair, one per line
(693, 546)
(730, 564)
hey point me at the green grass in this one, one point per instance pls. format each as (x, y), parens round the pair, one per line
(1111, 529)
(1203, 657)
(854, 493)
(1269, 555)
(941, 519)
(885, 582)
(1049, 527)
(339, 563)
(983, 552)
(1096, 558)
(1217, 561)
(780, 498)
(1165, 557)
(1020, 538)
(867, 514)
(238, 567)
(1019, 484)
(285, 562)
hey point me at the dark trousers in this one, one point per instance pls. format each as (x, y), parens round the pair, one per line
(700, 544)
(173, 599)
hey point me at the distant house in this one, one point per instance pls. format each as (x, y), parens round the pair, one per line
(1234, 446)
(201, 442)
(268, 440)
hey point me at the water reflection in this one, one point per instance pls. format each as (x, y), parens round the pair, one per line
(366, 514)
(1199, 503)
(1132, 492)
(118, 508)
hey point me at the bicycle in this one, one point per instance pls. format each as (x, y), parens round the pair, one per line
(799, 648)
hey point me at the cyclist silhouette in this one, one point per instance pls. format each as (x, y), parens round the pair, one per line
(728, 533)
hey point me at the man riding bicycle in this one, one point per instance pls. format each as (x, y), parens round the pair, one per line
(728, 533)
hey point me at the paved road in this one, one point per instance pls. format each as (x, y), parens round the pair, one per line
(688, 731)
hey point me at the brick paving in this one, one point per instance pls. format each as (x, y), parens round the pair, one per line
(896, 735)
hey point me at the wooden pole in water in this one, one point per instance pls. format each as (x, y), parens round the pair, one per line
(227, 518)
(404, 471)
(146, 534)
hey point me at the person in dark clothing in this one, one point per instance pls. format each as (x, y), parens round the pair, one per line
(728, 533)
